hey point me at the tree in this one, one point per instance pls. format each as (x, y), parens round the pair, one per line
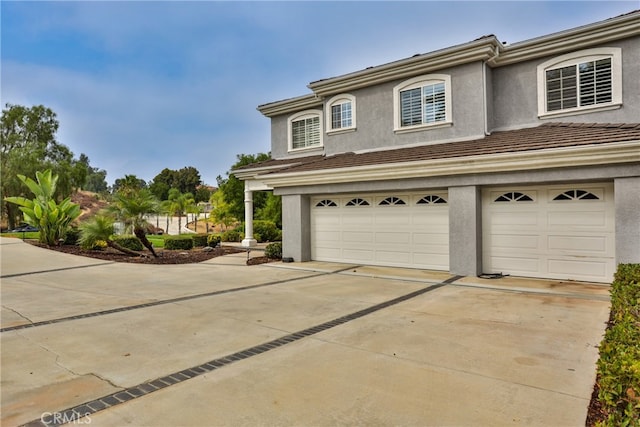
(28, 144)
(95, 179)
(185, 180)
(128, 183)
(233, 189)
(220, 210)
(163, 182)
(131, 207)
(272, 210)
(51, 218)
(179, 204)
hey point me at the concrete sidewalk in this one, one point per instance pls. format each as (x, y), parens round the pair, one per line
(222, 343)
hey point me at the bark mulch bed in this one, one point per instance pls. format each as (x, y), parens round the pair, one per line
(164, 256)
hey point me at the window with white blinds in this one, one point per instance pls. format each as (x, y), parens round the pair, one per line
(305, 130)
(423, 101)
(586, 83)
(585, 80)
(341, 113)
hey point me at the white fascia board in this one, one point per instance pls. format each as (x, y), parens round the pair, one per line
(290, 105)
(479, 50)
(245, 174)
(574, 39)
(591, 155)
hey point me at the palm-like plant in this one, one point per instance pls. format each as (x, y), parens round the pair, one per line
(132, 207)
(179, 204)
(53, 219)
(100, 228)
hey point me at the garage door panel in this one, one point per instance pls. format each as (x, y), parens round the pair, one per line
(360, 221)
(393, 258)
(357, 237)
(521, 219)
(578, 244)
(516, 265)
(430, 239)
(363, 255)
(574, 219)
(392, 238)
(586, 268)
(519, 241)
(328, 253)
(394, 218)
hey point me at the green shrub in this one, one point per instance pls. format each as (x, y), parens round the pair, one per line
(619, 363)
(273, 250)
(267, 230)
(72, 236)
(232, 236)
(213, 240)
(199, 240)
(129, 241)
(178, 243)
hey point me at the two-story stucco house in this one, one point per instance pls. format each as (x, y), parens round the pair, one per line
(520, 159)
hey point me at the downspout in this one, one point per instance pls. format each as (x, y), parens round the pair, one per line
(484, 90)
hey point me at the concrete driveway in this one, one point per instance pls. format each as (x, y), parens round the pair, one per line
(312, 344)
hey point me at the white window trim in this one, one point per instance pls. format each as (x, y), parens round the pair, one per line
(300, 116)
(419, 82)
(615, 53)
(340, 99)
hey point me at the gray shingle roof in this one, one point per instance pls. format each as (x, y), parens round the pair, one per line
(546, 136)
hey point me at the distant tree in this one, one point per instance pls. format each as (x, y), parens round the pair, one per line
(202, 194)
(163, 182)
(96, 179)
(179, 204)
(185, 180)
(188, 180)
(128, 183)
(233, 189)
(272, 210)
(220, 210)
(28, 144)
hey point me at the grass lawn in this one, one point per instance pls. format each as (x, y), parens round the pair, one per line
(28, 235)
(157, 241)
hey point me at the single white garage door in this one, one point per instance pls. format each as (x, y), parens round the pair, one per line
(559, 232)
(403, 230)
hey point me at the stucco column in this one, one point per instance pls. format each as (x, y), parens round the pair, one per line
(248, 240)
(465, 230)
(627, 202)
(296, 227)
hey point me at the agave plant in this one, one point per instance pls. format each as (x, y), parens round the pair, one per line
(53, 219)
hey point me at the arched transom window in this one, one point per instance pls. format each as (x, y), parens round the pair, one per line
(514, 196)
(576, 195)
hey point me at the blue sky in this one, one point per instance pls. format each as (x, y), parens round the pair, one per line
(140, 86)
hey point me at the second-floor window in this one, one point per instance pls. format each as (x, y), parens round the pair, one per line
(423, 101)
(305, 130)
(589, 79)
(341, 114)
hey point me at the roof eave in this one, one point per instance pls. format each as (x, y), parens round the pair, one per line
(617, 28)
(478, 50)
(290, 105)
(590, 155)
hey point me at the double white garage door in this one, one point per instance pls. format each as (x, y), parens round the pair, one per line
(562, 232)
